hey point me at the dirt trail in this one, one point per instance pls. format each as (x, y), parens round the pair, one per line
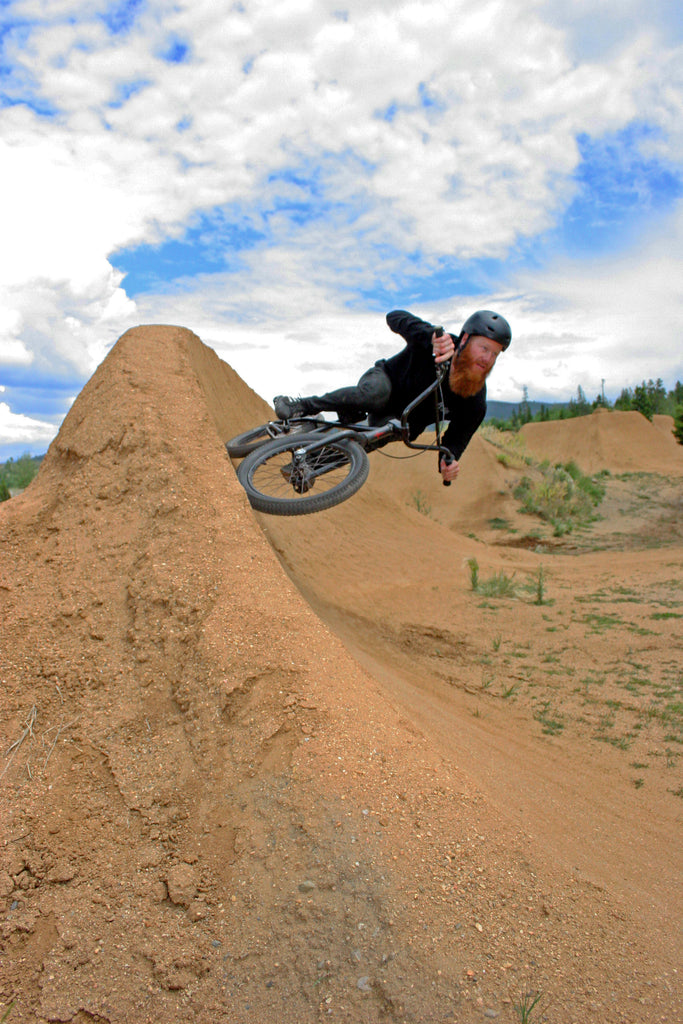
(212, 811)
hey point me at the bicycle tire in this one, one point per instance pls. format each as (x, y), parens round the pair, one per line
(266, 475)
(243, 444)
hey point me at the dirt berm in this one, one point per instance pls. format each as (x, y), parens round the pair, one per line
(210, 812)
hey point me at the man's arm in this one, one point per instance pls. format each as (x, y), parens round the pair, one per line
(418, 332)
(413, 330)
(465, 424)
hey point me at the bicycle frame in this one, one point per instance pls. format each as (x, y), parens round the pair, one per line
(330, 452)
(435, 389)
(372, 438)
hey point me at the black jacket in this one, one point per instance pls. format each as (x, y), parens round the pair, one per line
(412, 370)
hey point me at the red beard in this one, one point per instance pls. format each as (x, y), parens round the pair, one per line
(466, 379)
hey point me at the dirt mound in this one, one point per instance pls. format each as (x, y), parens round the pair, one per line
(211, 812)
(621, 442)
(481, 493)
(666, 425)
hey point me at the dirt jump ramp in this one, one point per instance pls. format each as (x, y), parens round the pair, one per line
(209, 812)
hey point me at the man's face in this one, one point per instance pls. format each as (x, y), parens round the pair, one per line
(470, 370)
(483, 353)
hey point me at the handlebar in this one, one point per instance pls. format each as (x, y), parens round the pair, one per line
(441, 371)
(444, 453)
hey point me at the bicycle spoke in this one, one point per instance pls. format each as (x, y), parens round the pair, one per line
(282, 477)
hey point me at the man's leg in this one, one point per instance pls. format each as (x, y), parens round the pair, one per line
(370, 394)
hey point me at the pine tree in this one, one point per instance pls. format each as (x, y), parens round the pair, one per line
(678, 424)
(624, 402)
(643, 400)
(579, 406)
(525, 408)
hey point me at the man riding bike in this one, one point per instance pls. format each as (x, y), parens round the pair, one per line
(391, 384)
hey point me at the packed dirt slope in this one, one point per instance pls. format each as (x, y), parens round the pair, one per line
(390, 572)
(212, 812)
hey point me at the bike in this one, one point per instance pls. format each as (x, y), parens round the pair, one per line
(293, 467)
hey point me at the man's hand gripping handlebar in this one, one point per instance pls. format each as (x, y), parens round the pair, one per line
(446, 457)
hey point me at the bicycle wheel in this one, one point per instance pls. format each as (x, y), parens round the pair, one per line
(283, 479)
(241, 445)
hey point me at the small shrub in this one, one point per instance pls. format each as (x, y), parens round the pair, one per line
(421, 503)
(562, 495)
(592, 486)
(540, 586)
(498, 585)
(526, 1005)
(474, 573)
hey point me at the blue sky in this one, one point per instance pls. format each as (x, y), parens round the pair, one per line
(275, 177)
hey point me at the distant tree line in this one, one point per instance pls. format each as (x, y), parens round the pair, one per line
(650, 399)
(17, 474)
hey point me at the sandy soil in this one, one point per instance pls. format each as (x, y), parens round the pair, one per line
(284, 771)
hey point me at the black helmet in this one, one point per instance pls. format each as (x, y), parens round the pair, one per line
(488, 325)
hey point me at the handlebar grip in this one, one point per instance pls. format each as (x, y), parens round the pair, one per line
(441, 368)
(448, 458)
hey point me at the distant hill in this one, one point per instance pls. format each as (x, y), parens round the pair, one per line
(504, 410)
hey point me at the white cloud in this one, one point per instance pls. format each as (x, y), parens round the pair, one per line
(438, 128)
(13, 352)
(23, 429)
(617, 319)
(593, 29)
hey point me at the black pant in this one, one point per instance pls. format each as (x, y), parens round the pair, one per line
(370, 395)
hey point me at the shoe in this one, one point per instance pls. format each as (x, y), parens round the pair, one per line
(287, 408)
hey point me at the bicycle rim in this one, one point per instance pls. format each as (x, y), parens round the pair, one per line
(279, 482)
